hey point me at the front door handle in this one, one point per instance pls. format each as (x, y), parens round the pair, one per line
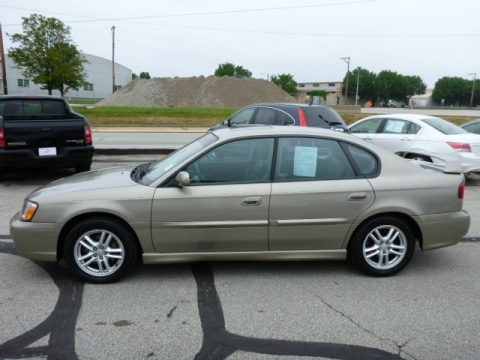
(252, 201)
(357, 196)
(367, 139)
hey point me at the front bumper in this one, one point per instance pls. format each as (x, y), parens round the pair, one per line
(27, 158)
(440, 230)
(36, 241)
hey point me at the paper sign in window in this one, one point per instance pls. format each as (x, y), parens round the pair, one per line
(394, 126)
(305, 161)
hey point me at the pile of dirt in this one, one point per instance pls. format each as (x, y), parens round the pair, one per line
(206, 92)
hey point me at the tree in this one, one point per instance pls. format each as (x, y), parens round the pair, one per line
(145, 75)
(47, 54)
(391, 85)
(229, 69)
(366, 87)
(455, 91)
(286, 82)
(415, 85)
(134, 76)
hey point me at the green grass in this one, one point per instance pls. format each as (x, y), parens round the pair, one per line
(160, 112)
(147, 116)
(84, 101)
(143, 116)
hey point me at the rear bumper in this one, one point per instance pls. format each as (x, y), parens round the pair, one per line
(26, 158)
(440, 230)
(470, 162)
(36, 241)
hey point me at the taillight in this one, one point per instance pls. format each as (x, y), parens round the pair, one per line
(88, 135)
(301, 116)
(2, 137)
(461, 190)
(461, 147)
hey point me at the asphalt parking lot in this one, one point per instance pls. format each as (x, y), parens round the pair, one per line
(241, 310)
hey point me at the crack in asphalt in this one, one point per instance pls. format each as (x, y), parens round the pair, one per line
(356, 323)
(218, 343)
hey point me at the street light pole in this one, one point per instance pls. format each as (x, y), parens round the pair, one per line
(358, 82)
(113, 59)
(473, 88)
(347, 61)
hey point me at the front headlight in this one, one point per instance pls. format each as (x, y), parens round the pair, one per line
(29, 209)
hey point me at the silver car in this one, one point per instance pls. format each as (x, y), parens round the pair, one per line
(260, 193)
(421, 137)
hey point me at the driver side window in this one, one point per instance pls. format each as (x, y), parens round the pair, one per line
(243, 117)
(241, 161)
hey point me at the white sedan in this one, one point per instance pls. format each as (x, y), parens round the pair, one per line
(421, 137)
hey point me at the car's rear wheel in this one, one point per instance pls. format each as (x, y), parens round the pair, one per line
(100, 250)
(418, 157)
(83, 167)
(382, 246)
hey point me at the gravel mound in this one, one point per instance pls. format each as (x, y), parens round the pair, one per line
(208, 92)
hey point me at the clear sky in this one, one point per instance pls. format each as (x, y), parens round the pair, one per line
(307, 38)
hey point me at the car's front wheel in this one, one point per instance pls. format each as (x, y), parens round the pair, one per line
(100, 250)
(382, 246)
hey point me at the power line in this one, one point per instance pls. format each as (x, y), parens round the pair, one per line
(221, 12)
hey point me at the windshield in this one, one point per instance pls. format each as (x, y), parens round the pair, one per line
(159, 168)
(444, 126)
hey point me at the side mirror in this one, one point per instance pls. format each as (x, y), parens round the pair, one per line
(183, 179)
(226, 122)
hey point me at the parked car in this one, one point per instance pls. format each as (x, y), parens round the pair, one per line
(287, 114)
(253, 193)
(42, 131)
(421, 137)
(472, 126)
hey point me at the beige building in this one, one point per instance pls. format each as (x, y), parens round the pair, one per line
(333, 90)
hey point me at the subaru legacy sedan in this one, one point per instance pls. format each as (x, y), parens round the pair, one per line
(254, 193)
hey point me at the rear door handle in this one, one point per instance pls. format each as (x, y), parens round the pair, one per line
(252, 201)
(357, 196)
(367, 138)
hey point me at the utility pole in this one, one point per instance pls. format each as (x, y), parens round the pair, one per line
(113, 59)
(347, 61)
(473, 88)
(2, 59)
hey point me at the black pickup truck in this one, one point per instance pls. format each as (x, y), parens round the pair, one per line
(42, 131)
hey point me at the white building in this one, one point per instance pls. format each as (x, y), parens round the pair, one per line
(98, 80)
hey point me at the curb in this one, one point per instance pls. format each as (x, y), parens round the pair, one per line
(117, 151)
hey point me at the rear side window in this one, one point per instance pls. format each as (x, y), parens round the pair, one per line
(311, 159)
(322, 116)
(395, 126)
(30, 108)
(270, 116)
(366, 163)
(265, 116)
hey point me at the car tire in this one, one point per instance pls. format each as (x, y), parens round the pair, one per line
(83, 167)
(382, 246)
(100, 250)
(418, 157)
(2, 175)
